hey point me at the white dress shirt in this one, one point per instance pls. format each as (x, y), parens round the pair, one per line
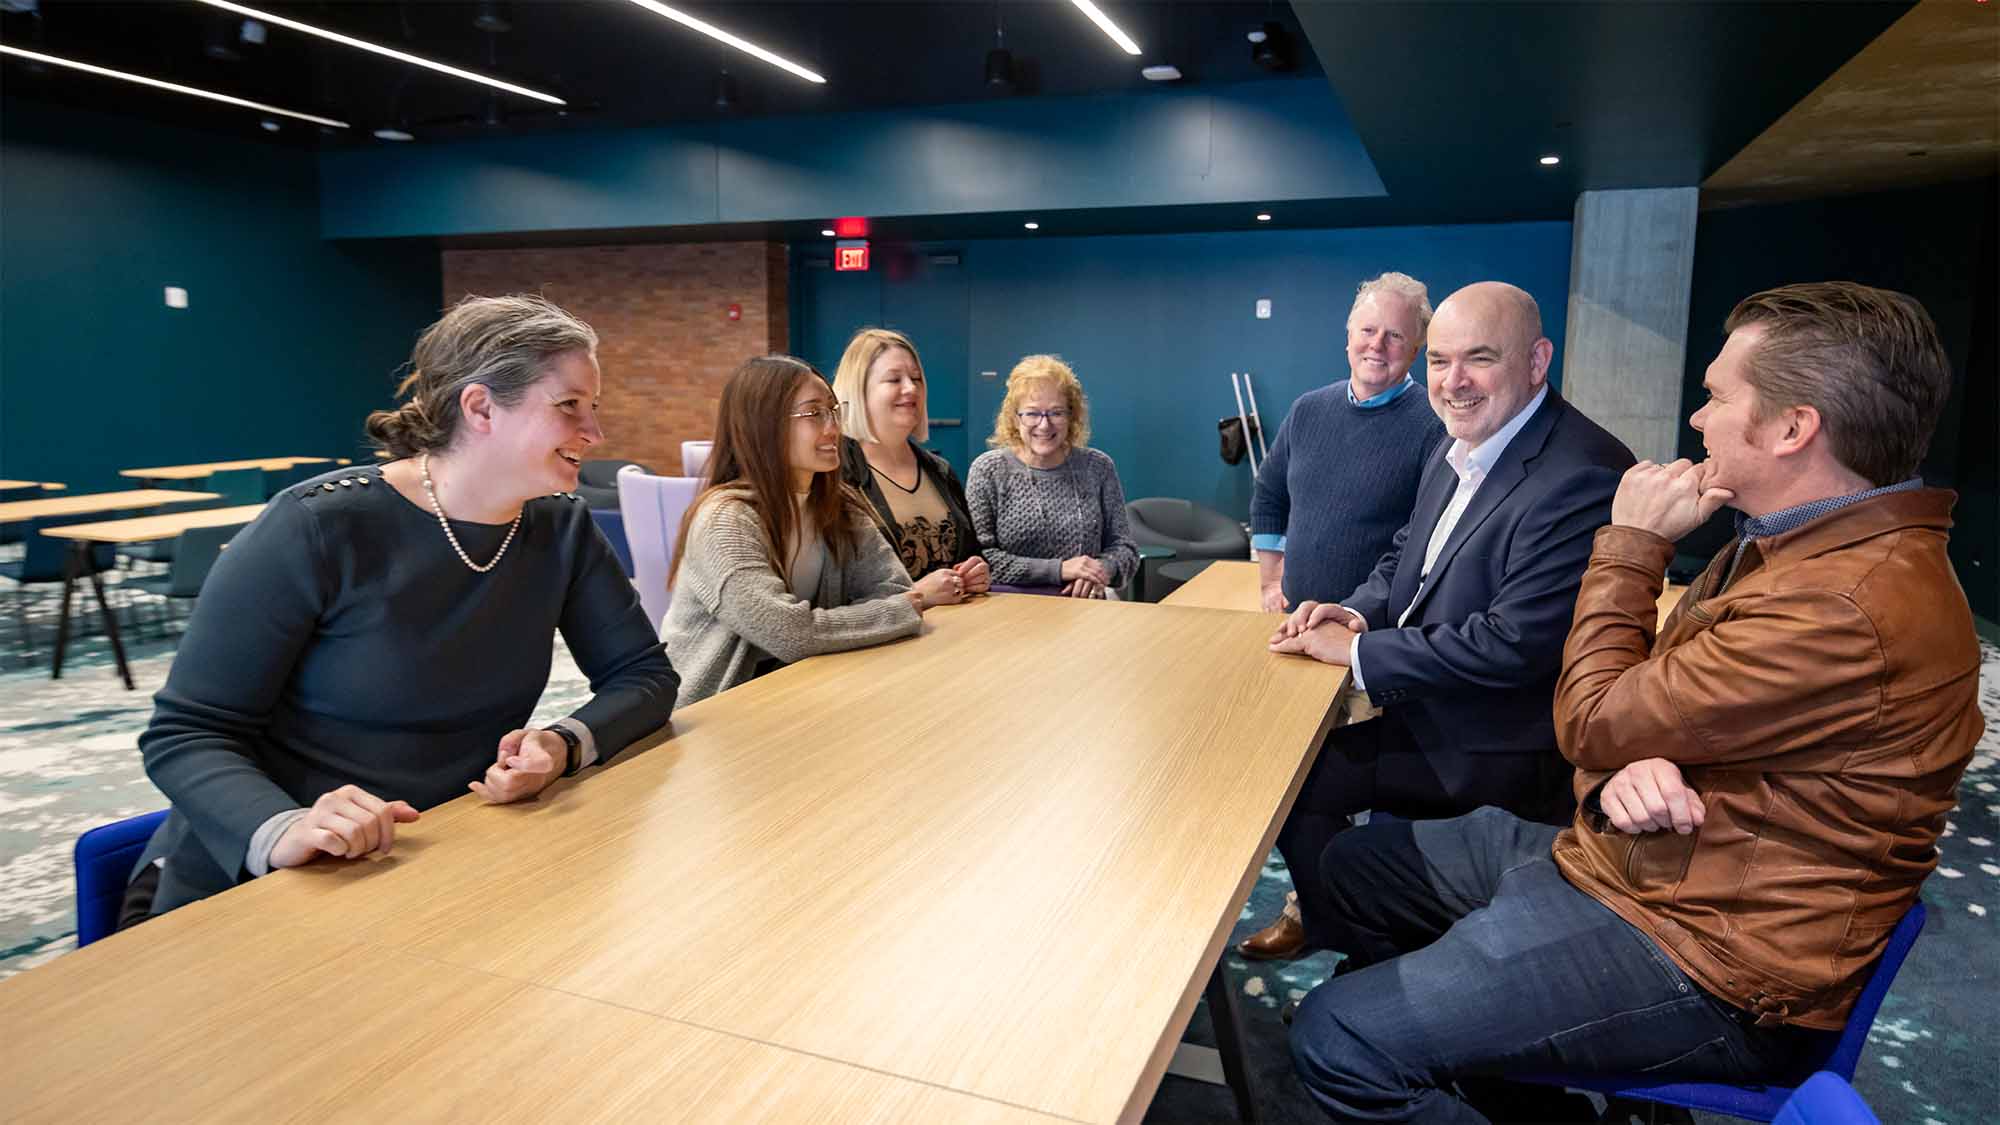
(1471, 463)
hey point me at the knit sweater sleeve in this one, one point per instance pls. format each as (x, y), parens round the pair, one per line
(983, 497)
(1120, 553)
(632, 684)
(1271, 501)
(728, 571)
(258, 611)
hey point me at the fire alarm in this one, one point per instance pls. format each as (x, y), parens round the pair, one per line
(735, 312)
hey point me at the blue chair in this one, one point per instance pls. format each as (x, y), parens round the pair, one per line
(611, 521)
(1825, 1099)
(104, 859)
(1764, 1103)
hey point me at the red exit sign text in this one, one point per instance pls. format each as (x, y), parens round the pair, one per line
(850, 255)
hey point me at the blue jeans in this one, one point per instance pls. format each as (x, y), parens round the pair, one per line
(1479, 960)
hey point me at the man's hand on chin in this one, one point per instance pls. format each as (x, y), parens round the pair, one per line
(1667, 500)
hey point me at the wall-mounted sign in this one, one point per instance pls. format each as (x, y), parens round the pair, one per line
(850, 254)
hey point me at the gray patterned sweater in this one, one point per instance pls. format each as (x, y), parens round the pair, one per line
(730, 609)
(1029, 520)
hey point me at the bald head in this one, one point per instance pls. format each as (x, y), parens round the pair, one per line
(1487, 359)
(1507, 308)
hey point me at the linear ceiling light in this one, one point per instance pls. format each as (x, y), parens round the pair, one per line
(1105, 25)
(387, 52)
(721, 36)
(159, 85)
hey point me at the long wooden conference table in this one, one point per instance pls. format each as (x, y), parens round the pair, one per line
(979, 875)
(206, 468)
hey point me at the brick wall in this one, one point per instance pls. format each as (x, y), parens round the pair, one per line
(665, 341)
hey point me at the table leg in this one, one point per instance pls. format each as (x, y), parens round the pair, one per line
(72, 567)
(1228, 1042)
(110, 624)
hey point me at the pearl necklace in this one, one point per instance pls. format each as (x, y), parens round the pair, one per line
(424, 463)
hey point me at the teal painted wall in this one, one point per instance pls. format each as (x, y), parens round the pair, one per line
(1255, 142)
(1153, 324)
(288, 341)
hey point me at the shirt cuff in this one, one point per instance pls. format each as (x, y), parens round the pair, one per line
(586, 754)
(1354, 662)
(258, 861)
(1268, 542)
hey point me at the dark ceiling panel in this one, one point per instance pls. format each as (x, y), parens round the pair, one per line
(1457, 101)
(618, 64)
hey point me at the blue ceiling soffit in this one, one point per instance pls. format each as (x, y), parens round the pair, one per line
(1456, 102)
(1240, 147)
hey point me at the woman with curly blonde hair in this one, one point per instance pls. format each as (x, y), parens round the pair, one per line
(1048, 509)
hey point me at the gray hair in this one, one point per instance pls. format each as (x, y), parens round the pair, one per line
(1404, 286)
(504, 344)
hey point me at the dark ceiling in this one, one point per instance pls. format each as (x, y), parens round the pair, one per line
(616, 63)
(1454, 101)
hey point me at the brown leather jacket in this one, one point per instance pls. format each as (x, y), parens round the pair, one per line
(1823, 704)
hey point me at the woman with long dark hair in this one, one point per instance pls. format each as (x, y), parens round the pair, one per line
(778, 559)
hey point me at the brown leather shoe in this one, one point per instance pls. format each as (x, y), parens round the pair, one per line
(1282, 940)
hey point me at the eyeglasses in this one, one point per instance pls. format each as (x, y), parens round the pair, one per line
(1037, 417)
(823, 415)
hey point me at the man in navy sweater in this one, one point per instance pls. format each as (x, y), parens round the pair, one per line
(1458, 633)
(1343, 471)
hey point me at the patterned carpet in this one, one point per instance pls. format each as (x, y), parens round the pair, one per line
(69, 762)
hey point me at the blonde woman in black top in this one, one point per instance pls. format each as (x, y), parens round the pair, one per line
(918, 501)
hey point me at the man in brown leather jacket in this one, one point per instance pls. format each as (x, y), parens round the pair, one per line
(1761, 786)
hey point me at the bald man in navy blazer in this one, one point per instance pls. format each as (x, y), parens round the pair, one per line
(1458, 633)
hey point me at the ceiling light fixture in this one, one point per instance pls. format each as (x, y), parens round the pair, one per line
(1263, 216)
(1551, 161)
(721, 36)
(1105, 25)
(1032, 226)
(155, 83)
(391, 133)
(827, 233)
(387, 52)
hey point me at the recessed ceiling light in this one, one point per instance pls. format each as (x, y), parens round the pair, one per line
(1551, 160)
(721, 36)
(156, 84)
(269, 126)
(827, 233)
(1105, 25)
(1160, 72)
(387, 52)
(1032, 226)
(391, 133)
(1263, 216)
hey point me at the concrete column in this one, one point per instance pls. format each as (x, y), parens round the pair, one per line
(1630, 273)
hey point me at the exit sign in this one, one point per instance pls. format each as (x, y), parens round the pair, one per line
(851, 254)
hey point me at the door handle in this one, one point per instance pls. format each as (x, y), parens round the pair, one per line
(948, 422)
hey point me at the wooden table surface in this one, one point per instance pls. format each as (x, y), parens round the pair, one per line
(190, 472)
(1228, 584)
(1222, 584)
(86, 503)
(44, 485)
(990, 866)
(142, 529)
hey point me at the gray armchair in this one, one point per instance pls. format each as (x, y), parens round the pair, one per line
(597, 482)
(1189, 530)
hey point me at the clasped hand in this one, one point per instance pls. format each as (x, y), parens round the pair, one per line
(1668, 500)
(1321, 630)
(350, 822)
(1084, 577)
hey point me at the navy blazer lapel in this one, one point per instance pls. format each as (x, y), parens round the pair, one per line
(1494, 490)
(1433, 496)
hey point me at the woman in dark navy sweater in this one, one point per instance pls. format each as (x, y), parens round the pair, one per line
(374, 643)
